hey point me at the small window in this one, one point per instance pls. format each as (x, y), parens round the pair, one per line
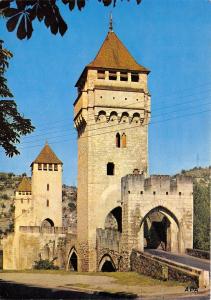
(39, 166)
(167, 193)
(112, 76)
(45, 167)
(135, 77)
(154, 193)
(118, 140)
(100, 74)
(22, 201)
(55, 167)
(110, 168)
(50, 167)
(142, 192)
(124, 141)
(19, 193)
(48, 187)
(47, 203)
(180, 193)
(124, 76)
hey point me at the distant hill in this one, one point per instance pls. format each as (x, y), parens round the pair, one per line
(9, 183)
(199, 174)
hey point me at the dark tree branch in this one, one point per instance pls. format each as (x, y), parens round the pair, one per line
(21, 14)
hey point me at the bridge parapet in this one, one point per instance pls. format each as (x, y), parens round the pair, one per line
(165, 269)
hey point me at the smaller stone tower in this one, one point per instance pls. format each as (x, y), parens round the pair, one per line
(23, 204)
(47, 189)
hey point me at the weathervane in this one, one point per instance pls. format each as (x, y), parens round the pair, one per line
(111, 23)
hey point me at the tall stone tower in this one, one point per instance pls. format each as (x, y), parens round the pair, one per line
(47, 189)
(111, 114)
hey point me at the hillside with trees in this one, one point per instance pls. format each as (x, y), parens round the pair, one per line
(201, 198)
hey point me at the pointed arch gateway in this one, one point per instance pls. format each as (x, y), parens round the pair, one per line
(159, 229)
(73, 260)
(106, 264)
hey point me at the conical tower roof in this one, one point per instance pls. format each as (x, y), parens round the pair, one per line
(25, 185)
(47, 156)
(114, 55)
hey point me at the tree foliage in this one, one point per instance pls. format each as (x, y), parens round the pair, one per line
(201, 219)
(21, 14)
(12, 124)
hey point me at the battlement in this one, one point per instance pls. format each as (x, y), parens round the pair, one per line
(134, 183)
(46, 230)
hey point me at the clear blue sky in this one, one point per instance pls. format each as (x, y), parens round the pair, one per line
(170, 37)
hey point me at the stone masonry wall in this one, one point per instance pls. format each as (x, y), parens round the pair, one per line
(170, 196)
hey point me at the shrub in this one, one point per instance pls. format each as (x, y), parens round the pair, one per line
(44, 264)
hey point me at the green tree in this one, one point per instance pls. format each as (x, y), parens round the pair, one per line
(21, 14)
(12, 124)
(201, 220)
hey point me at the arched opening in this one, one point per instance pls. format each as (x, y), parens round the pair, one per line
(107, 264)
(114, 219)
(160, 230)
(108, 267)
(124, 140)
(118, 140)
(47, 223)
(73, 262)
(156, 231)
(102, 115)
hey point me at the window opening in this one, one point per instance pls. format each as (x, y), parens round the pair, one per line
(124, 76)
(110, 168)
(124, 142)
(135, 77)
(55, 167)
(50, 167)
(47, 203)
(48, 187)
(39, 166)
(118, 140)
(112, 76)
(100, 74)
(45, 167)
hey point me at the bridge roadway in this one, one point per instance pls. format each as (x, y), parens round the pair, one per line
(182, 258)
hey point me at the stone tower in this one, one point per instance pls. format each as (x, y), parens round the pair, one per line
(111, 114)
(47, 189)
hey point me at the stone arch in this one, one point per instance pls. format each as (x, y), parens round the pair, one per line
(101, 115)
(47, 223)
(113, 219)
(72, 260)
(136, 117)
(113, 116)
(107, 264)
(160, 228)
(125, 117)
